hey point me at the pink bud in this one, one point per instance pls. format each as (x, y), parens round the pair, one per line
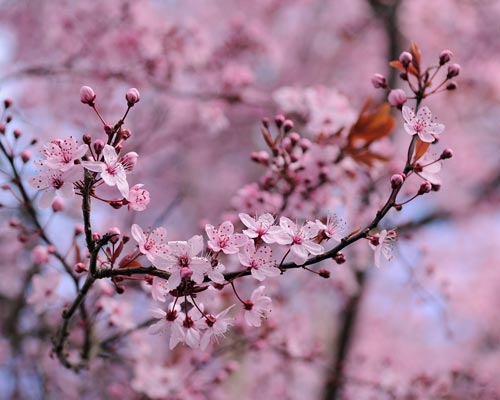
(305, 144)
(2, 128)
(40, 254)
(324, 273)
(87, 139)
(87, 95)
(445, 57)
(397, 181)
(232, 366)
(294, 137)
(17, 133)
(96, 236)
(425, 187)
(80, 267)
(79, 229)
(453, 70)
(379, 81)
(447, 153)
(58, 205)
(26, 156)
(279, 120)
(287, 125)
(397, 98)
(405, 58)
(116, 234)
(132, 96)
(451, 86)
(339, 258)
(98, 146)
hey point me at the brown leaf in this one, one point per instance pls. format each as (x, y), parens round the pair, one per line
(420, 149)
(411, 69)
(372, 124)
(125, 262)
(417, 58)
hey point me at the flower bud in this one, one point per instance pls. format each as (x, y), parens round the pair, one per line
(2, 128)
(397, 181)
(17, 133)
(108, 129)
(96, 236)
(445, 57)
(79, 229)
(8, 118)
(447, 153)
(425, 187)
(403, 76)
(58, 205)
(115, 232)
(80, 267)
(287, 125)
(339, 258)
(405, 58)
(451, 86)
(132, 96)
(279, 120)
(86, 138)
(435, 187)
(294, 137)
(98, 146)
(126, 133)
(26, 156)
(305, 144)
(324, 273)
(397, 98)
(265, 123)
(379, 81)
(87, 95)
(7, 103)
(453, 70)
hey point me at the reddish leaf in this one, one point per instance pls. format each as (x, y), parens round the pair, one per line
(125, 262)
(420, 149)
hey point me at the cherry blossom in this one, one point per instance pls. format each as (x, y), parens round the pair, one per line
(159, 289)
(138, 198)
(61, 154)
(260, 262)
(257, 307)
(301, 239)
(429, 170)
(421, 124)
(333, 229)
(119, 312)
(44, 291)
(215, 326)
(260, 227)
(383, 245)
(169, 325)
(184, 255)
(51, 181)
(224, 239)
(113, 169)
(152, 244)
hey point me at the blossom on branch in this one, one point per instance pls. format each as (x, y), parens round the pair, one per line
(382, 244)
(61, 154)
(262, 227)
(421, 124)
(260, 262)
(51, 181)
(257, 307)
(224, 239)
(152, 244)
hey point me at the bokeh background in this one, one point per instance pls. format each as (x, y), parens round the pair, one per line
(424, 326)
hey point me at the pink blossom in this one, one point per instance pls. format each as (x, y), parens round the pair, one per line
(430, 170)
(301, 239)
(44, 291)
(215, 326)
(383, 245)
(215, 273)
(169, 325)
(87, 95)
(257, 306)
(185, 255)
(159, 289)
(421, 124)
(61, 154)
(119, 312)
(138, 198)
(51, 181)
(113, 170)
(152, 244)
(333, 229)
(260, 227)
(260, 262)
(224, 239)
(132, 96)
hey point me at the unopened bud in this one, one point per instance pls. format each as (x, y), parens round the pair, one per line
(379, 81)
(405, 58)
(40, 254)
(129, 161)
(126, 133)
(79, 229)
(447, 153)
(279, 120)
(403, 76)
(398, 207)
(87, 139)
(294, 137)
(80, 267)
(17, 133)
(287, 125)
(8, 119)
(451, 86)
(125, 239)
(7, 103)
(87, 95)
(339, 258)
(453, 70)
(132, 96)
(397, 181)
(96, 236)
(98, 146)
(445, 57)
(397, 98)
(324, 273)
(116, 204)
(108, 129)
(305, 144)
(26, 156)
(2, 128)
(265, 123)
(425, 187)
(58, 205)
(435, 187)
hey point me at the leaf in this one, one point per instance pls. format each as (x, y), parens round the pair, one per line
(411, 69)
(417, 58)
(372, 124)
(125, 262)
(420, 149)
